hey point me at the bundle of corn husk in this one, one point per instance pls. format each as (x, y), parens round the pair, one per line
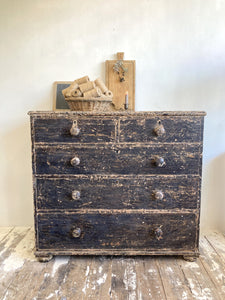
(87, 89)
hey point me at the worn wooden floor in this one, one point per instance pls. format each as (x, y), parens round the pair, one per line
(71, 278)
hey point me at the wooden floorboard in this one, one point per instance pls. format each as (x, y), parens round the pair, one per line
(13, 252)
(173, 279)
(149, 285)
(22, 277)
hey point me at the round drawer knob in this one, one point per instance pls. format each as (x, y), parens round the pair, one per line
(74, 130)
(158, 195)
(76, 232)
(75, 161)
(158, 233)
(159, 129)
(75, 195)
(159, 161)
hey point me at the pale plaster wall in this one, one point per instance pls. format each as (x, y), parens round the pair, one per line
(179, 48)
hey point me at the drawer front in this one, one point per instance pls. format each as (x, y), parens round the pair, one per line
(98, 192)
(117, 231)
(57, 130)
(165, 129)
(160, 159)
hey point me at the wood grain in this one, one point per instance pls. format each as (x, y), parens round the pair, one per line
(97, 192)
(119, 231)
(177, 129)
(118, 159)
(119, 88)
(58, 130)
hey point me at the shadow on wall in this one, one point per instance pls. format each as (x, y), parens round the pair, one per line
(213, 197)
(18, 200)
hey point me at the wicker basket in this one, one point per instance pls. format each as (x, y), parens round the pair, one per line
(92, 104)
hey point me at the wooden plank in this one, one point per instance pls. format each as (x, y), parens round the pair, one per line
(99, 279)
(120, 88)
(128, 193)
(13, 255)
(149, 284)
(198, 280)
(51, 285)
(124, 279)
(35, 277)
(119, 159)
(4, 231)
(217, 242)
(77, 278)
(173, 279)
(10, 241)
(27, 269)
(213, 266)
(105, 281)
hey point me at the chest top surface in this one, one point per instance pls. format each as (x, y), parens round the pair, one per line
(114, 114)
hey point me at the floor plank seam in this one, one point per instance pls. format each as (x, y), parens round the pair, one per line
(209, 276)
(221, 258)
(186, 280)
(5, 236)
(110, 274)
(160, 276)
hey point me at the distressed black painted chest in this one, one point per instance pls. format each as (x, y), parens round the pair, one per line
(117, 183)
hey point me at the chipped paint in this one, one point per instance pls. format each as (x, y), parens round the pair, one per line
(129, 280)
(87, 271)
(184, 295)
(100, 269)
(59, 261)
(12, 263)
(86, 283)
(102, 279)
(169, 269)
(22, 252)
(151, 271)
(205, 292)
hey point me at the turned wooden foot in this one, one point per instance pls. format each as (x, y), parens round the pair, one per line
(44, 258)
(190, 258)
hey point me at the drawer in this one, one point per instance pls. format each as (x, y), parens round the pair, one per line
(118, 231)
(90, 130)
(118, 192)
(160, 129)
(118, 159)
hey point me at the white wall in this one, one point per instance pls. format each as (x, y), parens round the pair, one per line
(179, 48)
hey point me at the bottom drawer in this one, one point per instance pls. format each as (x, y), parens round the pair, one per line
(135, 230)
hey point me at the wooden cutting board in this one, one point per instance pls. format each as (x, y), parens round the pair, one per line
(118, 87)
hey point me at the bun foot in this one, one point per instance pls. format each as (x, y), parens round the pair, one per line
(190, 258)
(44, 258)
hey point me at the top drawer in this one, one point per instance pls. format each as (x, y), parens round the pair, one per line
(161, 129)
(90, 130)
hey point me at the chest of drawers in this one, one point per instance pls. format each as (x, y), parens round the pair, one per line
(117, 183)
